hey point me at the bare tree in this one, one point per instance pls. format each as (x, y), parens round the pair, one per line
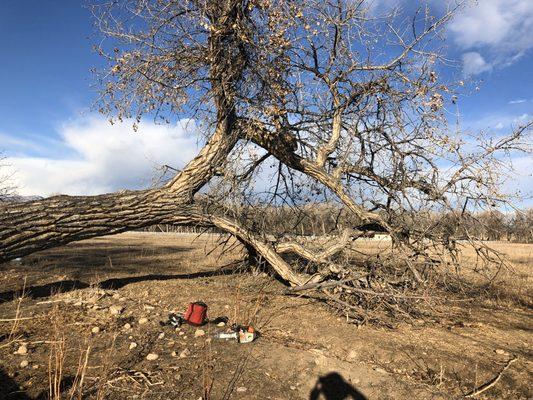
(342, 103)
(6, 184)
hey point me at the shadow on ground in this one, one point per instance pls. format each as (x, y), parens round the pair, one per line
(46, 290)
(333, 387)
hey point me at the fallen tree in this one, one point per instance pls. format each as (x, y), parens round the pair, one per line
(300, 83)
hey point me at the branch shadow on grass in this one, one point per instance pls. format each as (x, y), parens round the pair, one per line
(333, 387)
(49, 289)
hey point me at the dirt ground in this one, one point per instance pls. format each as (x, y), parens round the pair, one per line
(56, 307)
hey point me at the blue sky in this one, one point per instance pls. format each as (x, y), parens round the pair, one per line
(55, 143)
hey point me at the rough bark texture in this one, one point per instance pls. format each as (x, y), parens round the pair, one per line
(30, 227)
(283, 147)
(316, 257)
(38, 225)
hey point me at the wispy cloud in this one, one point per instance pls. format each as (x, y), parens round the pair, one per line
(517, 101)
(520, 182)
(474, 63)
(102, 158)
(498, 122)
(500, 31)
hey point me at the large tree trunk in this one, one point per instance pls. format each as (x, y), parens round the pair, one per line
(38, 225)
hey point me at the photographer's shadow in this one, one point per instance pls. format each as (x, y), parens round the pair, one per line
(333, 387)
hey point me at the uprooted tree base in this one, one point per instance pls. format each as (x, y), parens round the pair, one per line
(353, 287)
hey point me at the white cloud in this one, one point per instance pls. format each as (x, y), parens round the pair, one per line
(501, 29)
(517, 101)
(521, 181)
(105, 157)
(497, 121)
(474, 63)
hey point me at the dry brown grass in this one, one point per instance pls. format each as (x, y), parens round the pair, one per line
(451, 352)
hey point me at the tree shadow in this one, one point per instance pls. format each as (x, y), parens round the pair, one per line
(40, 291)
(333, 387)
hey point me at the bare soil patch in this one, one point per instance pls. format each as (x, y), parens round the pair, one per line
(304, 352)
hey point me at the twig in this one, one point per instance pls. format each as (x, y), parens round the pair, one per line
(321, 285)
(50, 301)
(316, 285)
(492, 382)
(16, 319)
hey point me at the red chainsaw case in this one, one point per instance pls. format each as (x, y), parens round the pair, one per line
(196, 313)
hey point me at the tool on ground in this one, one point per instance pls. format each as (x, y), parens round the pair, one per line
(195, 315)
(240, 333)
(174, 320)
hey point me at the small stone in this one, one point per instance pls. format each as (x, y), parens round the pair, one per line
(221, 324)
(78, 304)
(127, 326)
(380, 370)
(241, 389)
(24, 363)
(22, 350)
(293, 387)
(185, 353)
(161, 335)
(321, 360)
(35, 366)
(148, 308)
(352, 355)
(177, 377)
(143, 320)
(152, 357)
(174, 354)
(116, 309)
(501, 352)
(181, 333)
(133, 345)
(116, 296)
(95, 330)
(199, 333)
(122, 299)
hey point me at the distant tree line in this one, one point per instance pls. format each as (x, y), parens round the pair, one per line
(493, 225)
(323, 219)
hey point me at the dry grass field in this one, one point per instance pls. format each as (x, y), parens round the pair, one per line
(62, 337)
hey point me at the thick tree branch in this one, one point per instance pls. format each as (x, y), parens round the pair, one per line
(317, 257)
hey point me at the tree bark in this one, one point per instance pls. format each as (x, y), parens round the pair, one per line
(283, 146)
(38, 225)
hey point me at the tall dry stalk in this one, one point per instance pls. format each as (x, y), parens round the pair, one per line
(76, 391)
(16, 320)
(56, 360)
